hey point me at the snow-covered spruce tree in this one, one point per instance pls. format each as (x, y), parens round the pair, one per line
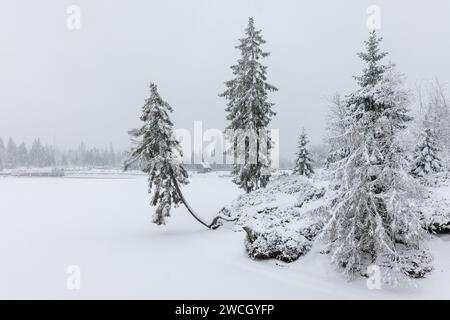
(373, 220)
(249, 109)
(426, 157)
(303, 164)
(158, 153)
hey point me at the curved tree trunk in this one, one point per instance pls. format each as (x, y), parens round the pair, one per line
(214, 224)
(191, 211)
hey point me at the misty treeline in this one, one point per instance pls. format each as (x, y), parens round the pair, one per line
(38, 155)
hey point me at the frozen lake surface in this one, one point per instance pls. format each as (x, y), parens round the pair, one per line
(102, 224)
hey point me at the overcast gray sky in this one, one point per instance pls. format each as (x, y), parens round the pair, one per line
(90, 84)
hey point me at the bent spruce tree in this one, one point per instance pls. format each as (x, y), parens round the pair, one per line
(373, 219)
(157, 152)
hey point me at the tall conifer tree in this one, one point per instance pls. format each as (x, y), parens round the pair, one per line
(303, 164)
(373, 216)
(249, 110)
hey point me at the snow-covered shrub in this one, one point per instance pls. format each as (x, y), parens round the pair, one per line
(278, 242)
(435, 213)
(417, 264)
(413, 263)
(281, 220)
(283, 234)
(438, 179)
(310, 195)
(282, 193)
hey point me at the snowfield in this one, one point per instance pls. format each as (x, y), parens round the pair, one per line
(102, 223)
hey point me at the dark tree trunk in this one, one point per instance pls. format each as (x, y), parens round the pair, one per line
(213, 225)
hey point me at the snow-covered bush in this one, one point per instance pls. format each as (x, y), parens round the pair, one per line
(416, 263)
(279, 242)
(310, 195)
(413, 262)
(437, 179)
(283, 234)
(435, 213)
(281, 220)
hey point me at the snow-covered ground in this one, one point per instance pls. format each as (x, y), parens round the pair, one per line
(102, 223)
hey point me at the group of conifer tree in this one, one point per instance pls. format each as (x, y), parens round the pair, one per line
(371, 216)
(159, 153)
